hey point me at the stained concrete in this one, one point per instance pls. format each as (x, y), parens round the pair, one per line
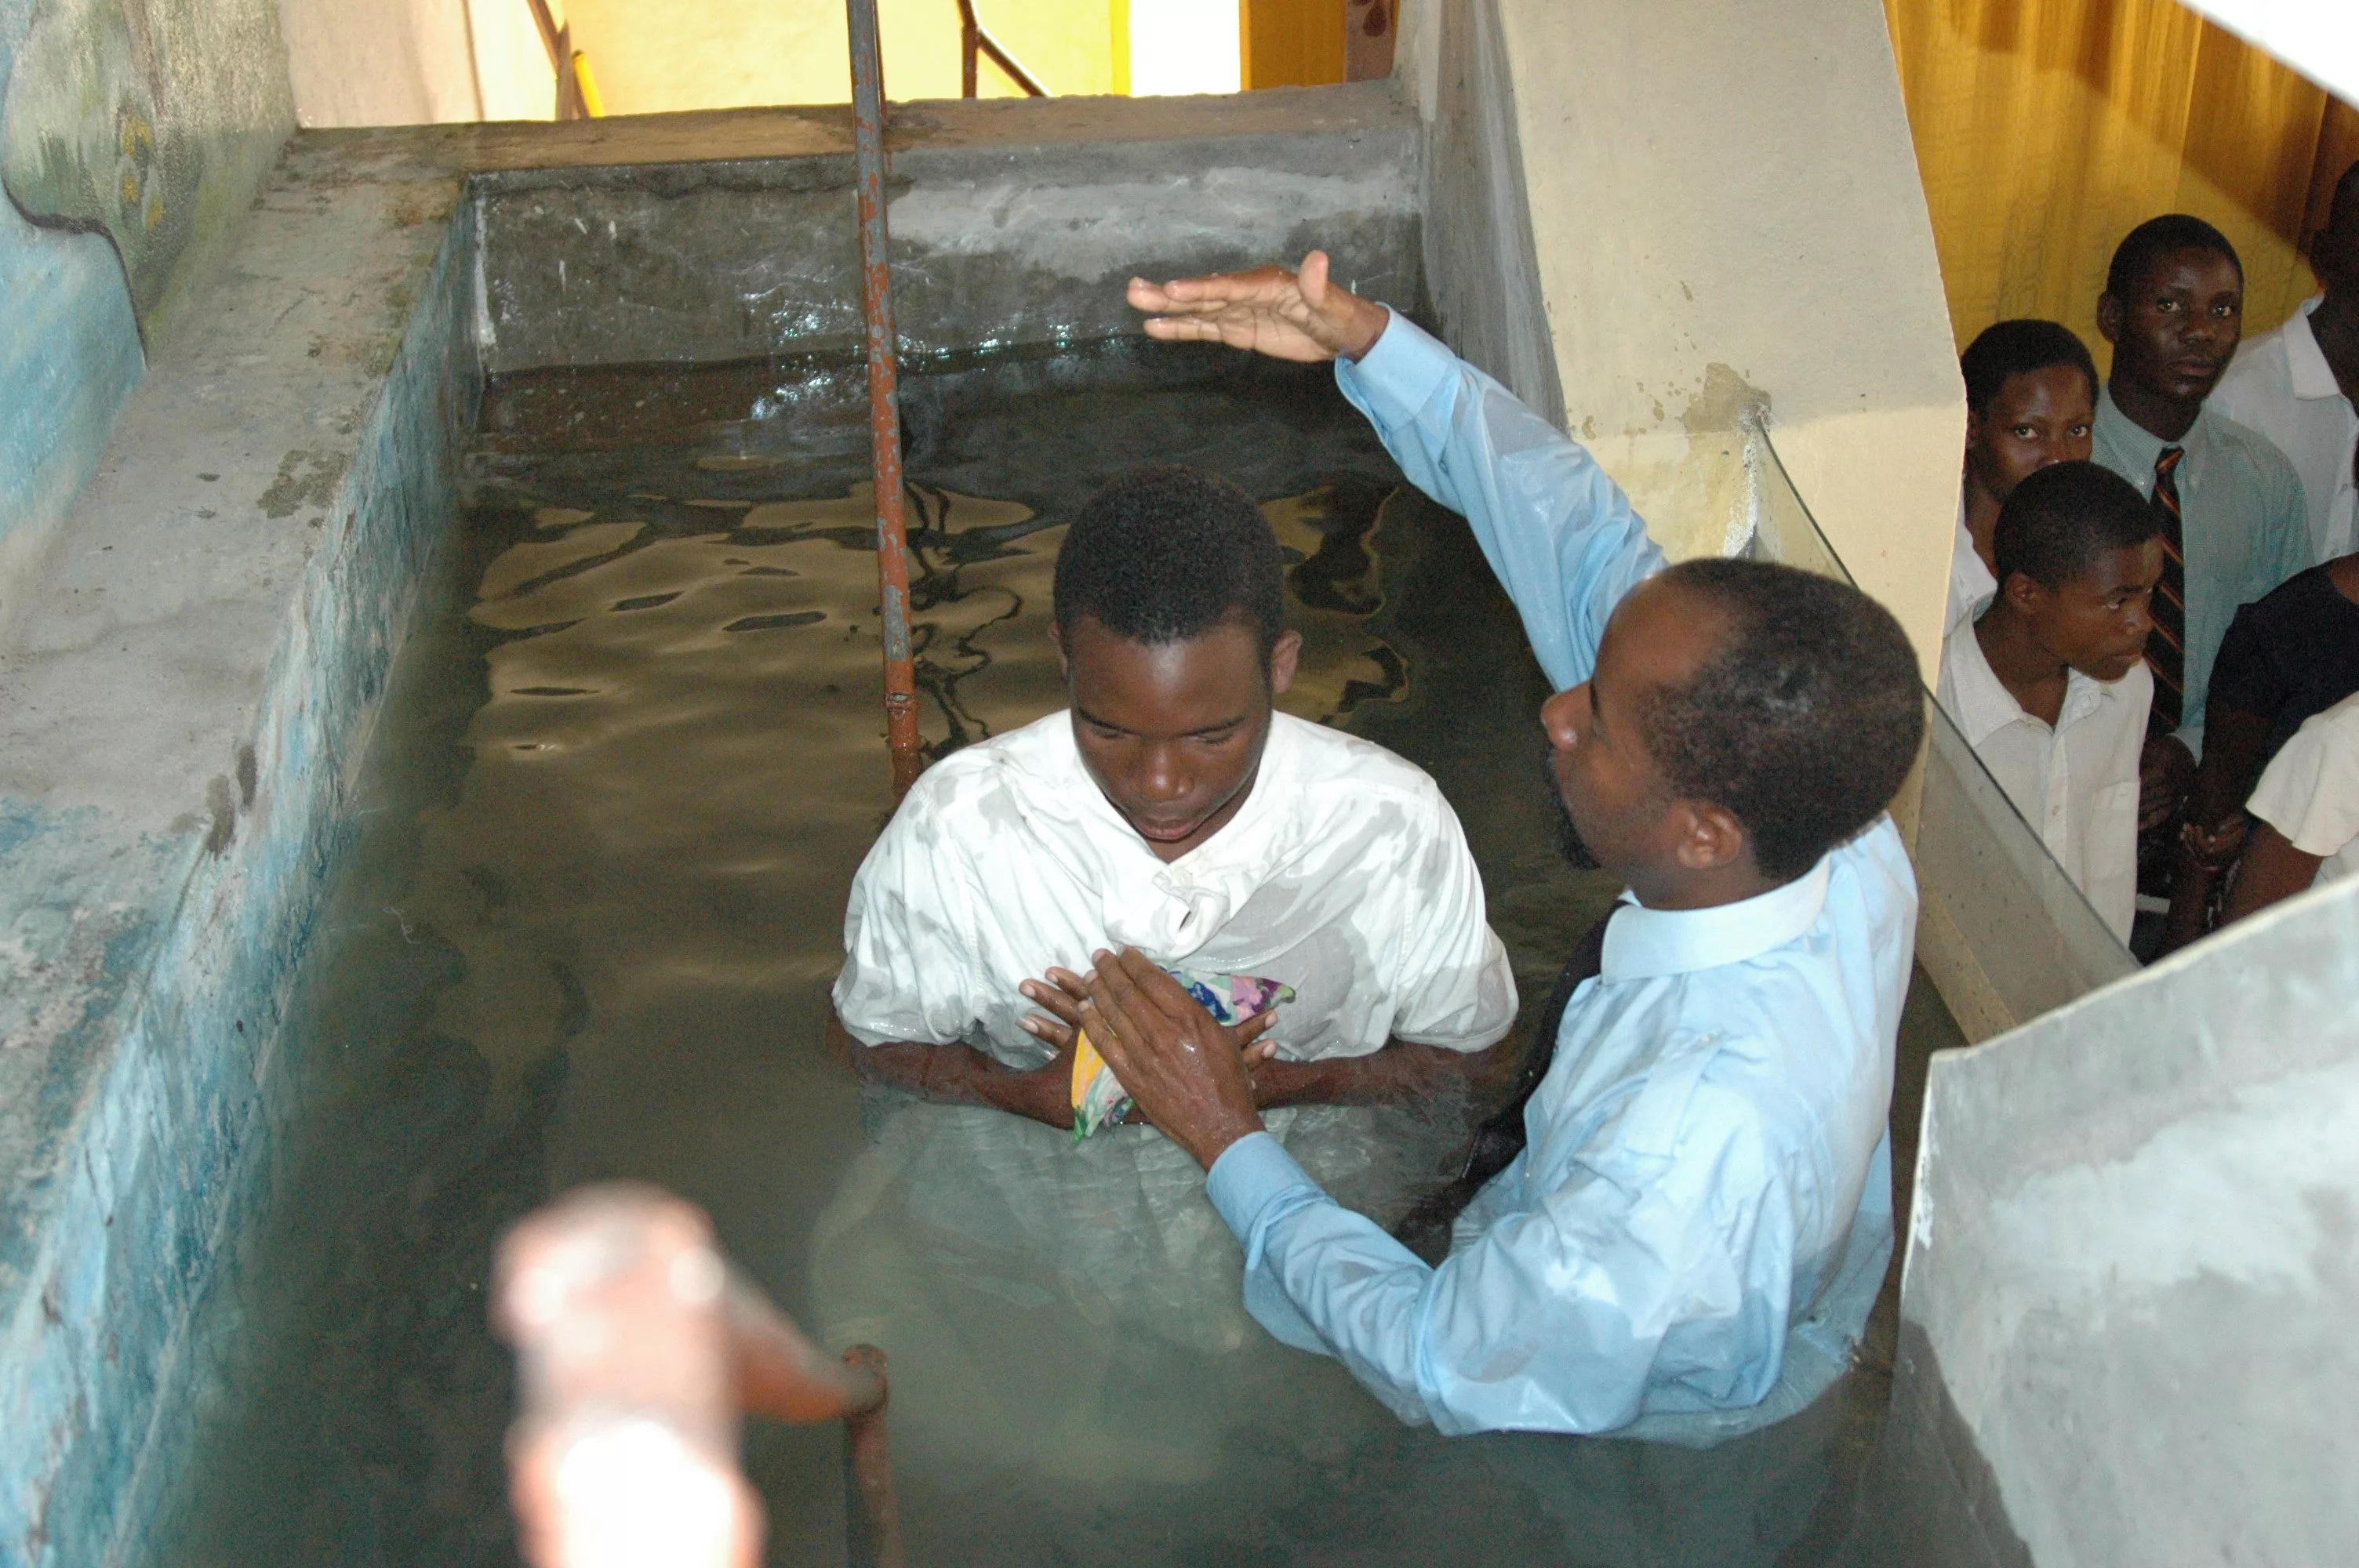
(1724, 214)
(1007, 232)
(188, 673)
(2130, 1280)
(181, 693)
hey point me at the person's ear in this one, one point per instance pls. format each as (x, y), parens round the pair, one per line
(1064, 659)
(1284, 657)
(1707, 837)
(2025, 594)
(2109, 317)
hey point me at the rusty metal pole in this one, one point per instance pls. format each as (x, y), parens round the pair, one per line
(884, 396)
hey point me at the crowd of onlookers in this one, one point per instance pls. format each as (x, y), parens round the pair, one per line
(2153, 632)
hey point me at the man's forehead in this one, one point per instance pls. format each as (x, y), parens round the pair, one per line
(1659, 635)
(2196, 268)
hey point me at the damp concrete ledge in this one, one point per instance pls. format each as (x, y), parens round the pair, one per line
(190, 666)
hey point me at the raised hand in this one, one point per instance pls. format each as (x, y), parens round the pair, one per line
(1301, 316)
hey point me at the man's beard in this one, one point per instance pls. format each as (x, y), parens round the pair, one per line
(1569, 842)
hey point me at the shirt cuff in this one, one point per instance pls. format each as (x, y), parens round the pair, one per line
(1397, 377)
(1248, 1176)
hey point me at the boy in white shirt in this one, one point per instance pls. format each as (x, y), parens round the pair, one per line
(2299, 384)
(2307, 807)
(1174, 809)
(1073, 1308)
(2051, 689)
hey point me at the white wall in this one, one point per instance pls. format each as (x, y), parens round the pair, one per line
(1723, 207)
(2134, 1261)
(412, 62)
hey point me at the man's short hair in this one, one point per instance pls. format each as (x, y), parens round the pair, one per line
(2156, 238)
(2008, 349)
(2060, 520)
(1164, 554)
(1803, 722)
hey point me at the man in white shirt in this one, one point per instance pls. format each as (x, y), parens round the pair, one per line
(2050, 686)
(2299, 385)
(1173, 809)
(2306, 805)
(2031, 400)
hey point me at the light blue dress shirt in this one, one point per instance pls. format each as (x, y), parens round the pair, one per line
(2241, 518)
(1689, 1245)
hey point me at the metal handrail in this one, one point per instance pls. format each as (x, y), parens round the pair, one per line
(563, 60)
(975, 41)
(884, 396)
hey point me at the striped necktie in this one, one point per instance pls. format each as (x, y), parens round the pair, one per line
(2166, 651)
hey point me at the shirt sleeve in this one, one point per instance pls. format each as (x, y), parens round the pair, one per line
(1558, 531)
(1456, 987)
(2310, 792)
(1564, 1313)
(909, 967)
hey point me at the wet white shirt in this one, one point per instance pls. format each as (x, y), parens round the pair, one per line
(2310, 792)
(1344, 874)
(2281, 385)
(2076, 783)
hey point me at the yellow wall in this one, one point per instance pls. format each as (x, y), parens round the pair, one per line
(656, 55)
(2047, 129)
(1291, 43)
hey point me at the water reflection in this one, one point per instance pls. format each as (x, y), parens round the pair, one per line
(615, 806)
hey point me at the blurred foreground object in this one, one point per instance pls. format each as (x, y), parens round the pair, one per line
(637, 1347)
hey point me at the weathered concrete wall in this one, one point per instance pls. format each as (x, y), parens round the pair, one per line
(133, 134)
(387, 62)
(1725, 212)
(179, 704)
(2132, 1265)
(1008, 228)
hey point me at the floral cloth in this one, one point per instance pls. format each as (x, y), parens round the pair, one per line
(1099, 1099)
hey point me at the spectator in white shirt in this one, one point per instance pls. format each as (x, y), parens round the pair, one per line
(2299, 385)
(2031, 400)
(2307, 810)
(2051, 689)
(1174, 809)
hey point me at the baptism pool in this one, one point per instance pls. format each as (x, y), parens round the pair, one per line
(610, 813)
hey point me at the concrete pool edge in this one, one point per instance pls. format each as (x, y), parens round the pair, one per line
(187, 685)
(244, 567)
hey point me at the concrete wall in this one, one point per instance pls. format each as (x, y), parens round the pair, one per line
(1723, 210)
(387, 62)
(133, 134)
(179, 700)
(2131, 1281)
(1012, 223)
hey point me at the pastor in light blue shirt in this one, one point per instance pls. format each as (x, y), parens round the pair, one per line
(1688, 1244)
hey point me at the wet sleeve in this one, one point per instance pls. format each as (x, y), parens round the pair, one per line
(1561, 1315)
(1455, 987)
(910, 970)
(1560, 534)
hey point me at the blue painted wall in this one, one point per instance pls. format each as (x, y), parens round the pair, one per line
(69, 354)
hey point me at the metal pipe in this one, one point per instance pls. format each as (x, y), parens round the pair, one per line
(974, 40)
(884, 396)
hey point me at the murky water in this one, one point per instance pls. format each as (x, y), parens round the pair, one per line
(611, 814)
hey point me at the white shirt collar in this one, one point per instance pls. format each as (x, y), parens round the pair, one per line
(1986, 707)
(2305, 361)
(1643, 943)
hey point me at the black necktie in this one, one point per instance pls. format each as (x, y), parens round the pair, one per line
(2166, 651)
